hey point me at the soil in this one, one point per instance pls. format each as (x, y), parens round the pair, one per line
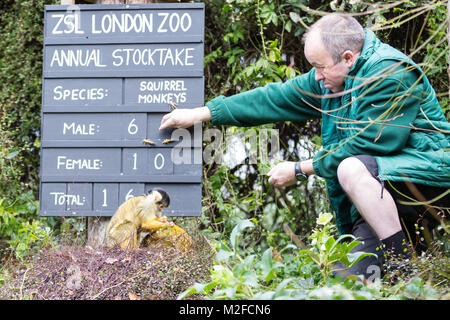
(85, 273)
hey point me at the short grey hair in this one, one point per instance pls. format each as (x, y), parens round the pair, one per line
(339, 32)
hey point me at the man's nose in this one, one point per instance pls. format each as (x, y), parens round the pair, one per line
(319, 76)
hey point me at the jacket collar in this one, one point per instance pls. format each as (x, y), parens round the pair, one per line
(371, 43)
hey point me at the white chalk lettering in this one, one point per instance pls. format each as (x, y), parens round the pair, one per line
(137, 22)
(76, 58)
(78, 164)
(174, 22)
(153, 57)
(80, 129)
(60, 199)
(111, 23)
(161, 29)
(162, 85)
(162, 98)
(125, 22)
(71, 23)
(59, 93)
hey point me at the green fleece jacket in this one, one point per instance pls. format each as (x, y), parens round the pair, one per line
(388, 110)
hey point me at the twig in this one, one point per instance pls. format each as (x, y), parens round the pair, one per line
(370, 11)
(373, 121)
(117, 284)
(294, 237)
(21, 285)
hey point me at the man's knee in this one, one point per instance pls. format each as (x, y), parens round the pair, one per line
(350, 171)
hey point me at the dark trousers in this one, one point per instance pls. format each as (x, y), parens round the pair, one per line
(417, 220)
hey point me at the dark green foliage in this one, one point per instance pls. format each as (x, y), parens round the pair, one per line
(248, 43)
(21, 30)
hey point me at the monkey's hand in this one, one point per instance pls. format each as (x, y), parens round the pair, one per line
(164, 220)
(156, 224)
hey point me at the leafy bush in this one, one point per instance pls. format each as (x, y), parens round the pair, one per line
(21, 29)
(292, 273)
(238, 274)
(29, 236)
(23, 233)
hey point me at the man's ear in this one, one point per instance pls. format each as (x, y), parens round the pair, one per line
(349, 58)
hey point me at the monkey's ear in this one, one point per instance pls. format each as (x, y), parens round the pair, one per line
(151, 194)
(164, 197)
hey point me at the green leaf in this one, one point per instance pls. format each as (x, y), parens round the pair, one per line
(355, 257)
(221, 274)
(329, 244)
(12, 154)
(266, 261)
(196, 288)
(288, 26)
(294, 17)
(223, 255)
(290, 72)
(281, 286)
(250, 279)
(317, 140)
(237, 230)
(37, 143)
(272, 56)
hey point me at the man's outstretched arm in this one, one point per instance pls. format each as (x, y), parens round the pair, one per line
(185, 118)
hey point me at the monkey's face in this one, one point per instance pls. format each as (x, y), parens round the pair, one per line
(160, 198)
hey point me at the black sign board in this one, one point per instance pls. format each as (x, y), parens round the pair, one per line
(110, 73)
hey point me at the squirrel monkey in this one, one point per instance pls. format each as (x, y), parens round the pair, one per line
(141, 213)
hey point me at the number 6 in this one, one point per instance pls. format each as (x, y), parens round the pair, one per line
(129, 195)
(132, 127)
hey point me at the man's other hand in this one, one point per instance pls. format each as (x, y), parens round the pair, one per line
(283, 174)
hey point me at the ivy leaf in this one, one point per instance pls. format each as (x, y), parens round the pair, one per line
(294, 17)
(12, 155)
(288, 26)
(290, 73)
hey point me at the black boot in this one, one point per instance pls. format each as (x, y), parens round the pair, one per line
(397, 256)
